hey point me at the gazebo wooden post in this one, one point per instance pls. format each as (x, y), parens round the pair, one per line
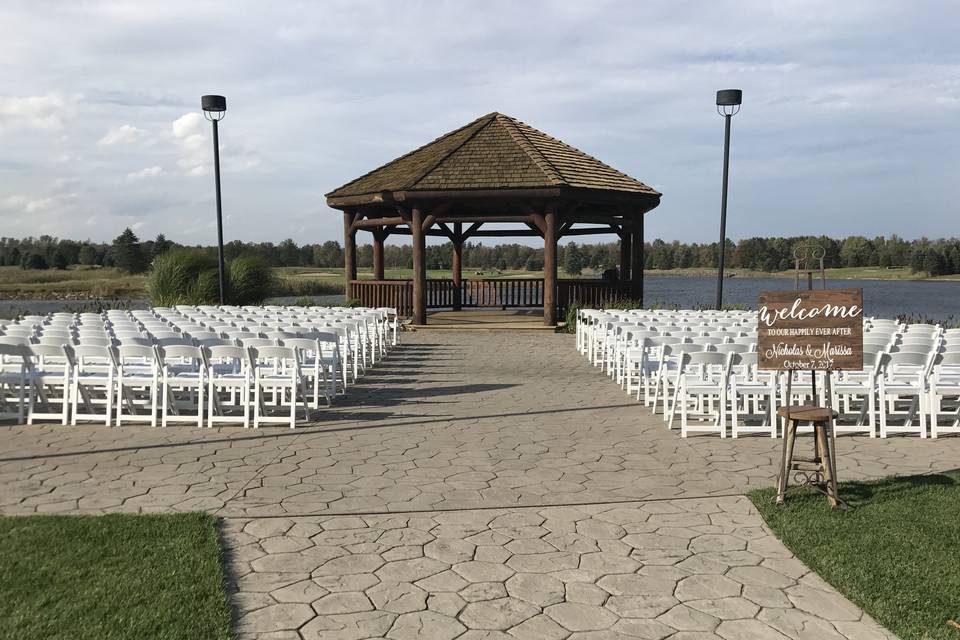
(550, 267)
(349, 253)
(456, 265)
(626, 241)
(378, 236)
(638, 258)
(419, 267)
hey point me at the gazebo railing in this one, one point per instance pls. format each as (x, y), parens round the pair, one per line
(502, 293)
(592, 293)
(509, 293)
(384, 293)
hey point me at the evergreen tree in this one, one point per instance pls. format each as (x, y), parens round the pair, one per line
(161, 245)
(34, 261)
(573, 259)
(60, 260)
(127, 252)
(88, 254)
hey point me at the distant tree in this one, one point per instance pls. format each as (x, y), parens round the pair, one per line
(127, 252)
(934, 263)
(34, 261)
(60, 260)
(88, 255)
(328, 254)
(534, 263)
(573, 259)
(857, 251)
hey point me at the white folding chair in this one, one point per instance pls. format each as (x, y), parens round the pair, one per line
(944, 395)
(183, 381)
(753, 396)
(284, 380)
(138, 384)
(702, 378)
(94, 376)
(903, 381)
(229, 377)
(48, 378)
(13, 381)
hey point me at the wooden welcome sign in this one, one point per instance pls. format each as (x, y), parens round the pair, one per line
(811, 330)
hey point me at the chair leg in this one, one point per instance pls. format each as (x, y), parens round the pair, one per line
(293, 406)
(256, 406)
(200, 403)
(108, 399)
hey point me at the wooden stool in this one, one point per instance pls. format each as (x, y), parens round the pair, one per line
(823, 465)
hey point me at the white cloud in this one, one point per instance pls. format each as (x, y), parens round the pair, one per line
(144, 174)
(46, 113)
(196, 155)
(124, 134)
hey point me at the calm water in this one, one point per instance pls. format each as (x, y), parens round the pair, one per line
(883, 298)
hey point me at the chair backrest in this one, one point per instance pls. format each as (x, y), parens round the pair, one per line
(280, 335)
(912, 348)
(227, 352)
(732, 348)
(212, 342)
(705, 358)
(139, 341)
(181, 351)
(274, 352)
(136, 351)
(903, 359)
(303, 344)
(101, 354)
(14, 340)
(176, 340)
(256, 342)
(15, 353)
(950, 359)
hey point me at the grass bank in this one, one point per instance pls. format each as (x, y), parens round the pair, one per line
(91, 283)
(112, 577)
(895, 553)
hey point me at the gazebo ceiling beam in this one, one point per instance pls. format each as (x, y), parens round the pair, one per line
(535, 229)
(591, 231)
(469, 231)
(507, 233)
(368, 223)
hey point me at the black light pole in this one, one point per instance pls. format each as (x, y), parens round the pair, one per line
(728, 105)
(214, 110)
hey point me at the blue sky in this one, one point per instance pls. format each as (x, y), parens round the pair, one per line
(850, 123)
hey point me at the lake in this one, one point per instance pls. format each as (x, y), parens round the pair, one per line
(882, 298)
(938, 300)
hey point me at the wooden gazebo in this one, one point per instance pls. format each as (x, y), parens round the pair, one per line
(495, 169)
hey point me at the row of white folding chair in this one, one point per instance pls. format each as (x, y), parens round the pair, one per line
(137, 379)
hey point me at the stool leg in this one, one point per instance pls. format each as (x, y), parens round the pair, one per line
(820, 439)
(830, 442)
(786, 464)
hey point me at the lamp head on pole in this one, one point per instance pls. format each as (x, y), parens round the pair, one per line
(728, 101)
(214, 107)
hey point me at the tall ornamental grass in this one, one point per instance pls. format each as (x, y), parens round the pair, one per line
(188, 276)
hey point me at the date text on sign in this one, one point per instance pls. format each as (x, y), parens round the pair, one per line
(811, 330)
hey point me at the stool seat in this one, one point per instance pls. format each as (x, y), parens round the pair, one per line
(806, 413)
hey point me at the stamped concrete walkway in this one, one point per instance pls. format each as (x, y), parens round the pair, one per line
(475, 485)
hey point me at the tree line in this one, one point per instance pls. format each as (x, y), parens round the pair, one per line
(128, 253)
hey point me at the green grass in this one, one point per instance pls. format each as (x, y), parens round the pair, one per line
(895, 552)
(74, 283)
(112, 577)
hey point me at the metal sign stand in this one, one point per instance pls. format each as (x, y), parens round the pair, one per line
(819, 472)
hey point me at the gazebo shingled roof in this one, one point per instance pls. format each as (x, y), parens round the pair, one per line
(494, 151)
(495, 169)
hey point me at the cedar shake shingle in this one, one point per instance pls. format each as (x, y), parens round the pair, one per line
(492, 152)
